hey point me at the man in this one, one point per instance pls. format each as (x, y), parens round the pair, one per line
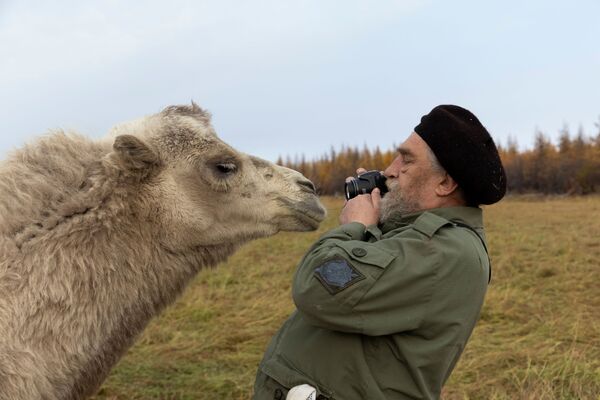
(387, 301)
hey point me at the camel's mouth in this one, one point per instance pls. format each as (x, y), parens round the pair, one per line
(307, 215)
(312, 218)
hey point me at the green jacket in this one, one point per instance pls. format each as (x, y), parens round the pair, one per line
(382, 312)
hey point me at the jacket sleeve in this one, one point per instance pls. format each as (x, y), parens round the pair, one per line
(347, 284)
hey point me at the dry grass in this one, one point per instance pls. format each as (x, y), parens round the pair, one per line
(538, 337)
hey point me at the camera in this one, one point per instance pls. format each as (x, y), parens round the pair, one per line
(365, 183)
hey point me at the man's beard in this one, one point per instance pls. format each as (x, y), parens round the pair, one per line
(398, 201)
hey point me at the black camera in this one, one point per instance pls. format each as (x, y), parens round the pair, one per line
(365, 183)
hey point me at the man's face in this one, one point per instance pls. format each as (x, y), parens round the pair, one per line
(410, 179)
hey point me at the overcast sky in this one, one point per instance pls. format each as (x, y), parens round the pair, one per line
(297, 77)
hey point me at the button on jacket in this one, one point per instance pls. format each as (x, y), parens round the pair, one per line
(382, 312)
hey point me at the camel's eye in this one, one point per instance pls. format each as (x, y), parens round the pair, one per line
(226, 168)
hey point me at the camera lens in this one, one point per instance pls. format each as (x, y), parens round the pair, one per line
(351, 189)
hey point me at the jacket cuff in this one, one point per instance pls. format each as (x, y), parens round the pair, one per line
(355, 230)
(374, 231)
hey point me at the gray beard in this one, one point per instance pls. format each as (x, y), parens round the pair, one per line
(394, 202)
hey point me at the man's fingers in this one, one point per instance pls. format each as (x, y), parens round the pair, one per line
(348, 179)
(376, 198)
(360, 171)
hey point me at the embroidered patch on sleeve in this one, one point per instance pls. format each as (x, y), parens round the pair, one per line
(337, 274)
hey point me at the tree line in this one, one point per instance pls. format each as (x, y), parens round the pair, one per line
(569, 166)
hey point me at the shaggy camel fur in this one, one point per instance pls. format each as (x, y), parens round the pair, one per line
(97, 237)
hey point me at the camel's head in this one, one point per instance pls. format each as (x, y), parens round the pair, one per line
(202, 192)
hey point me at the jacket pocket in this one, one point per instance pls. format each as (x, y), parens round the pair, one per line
(367, 253)
(281, 371)
(266, 388)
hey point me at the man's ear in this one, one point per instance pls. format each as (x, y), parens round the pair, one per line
(134, 156)
(446, 185)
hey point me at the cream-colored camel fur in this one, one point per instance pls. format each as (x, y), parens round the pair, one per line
(97, 237)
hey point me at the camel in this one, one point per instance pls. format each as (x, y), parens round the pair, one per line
(99, 236)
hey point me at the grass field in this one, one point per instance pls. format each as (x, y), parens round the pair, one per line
(538, 337)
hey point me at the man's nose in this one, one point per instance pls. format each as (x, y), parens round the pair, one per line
(389, 172)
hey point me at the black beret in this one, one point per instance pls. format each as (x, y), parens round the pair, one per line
(466, 151)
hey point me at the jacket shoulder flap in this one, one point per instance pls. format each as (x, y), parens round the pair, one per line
(428, 224)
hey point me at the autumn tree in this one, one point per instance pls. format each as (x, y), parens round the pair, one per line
(572, 166)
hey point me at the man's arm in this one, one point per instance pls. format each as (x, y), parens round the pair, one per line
(347, 284)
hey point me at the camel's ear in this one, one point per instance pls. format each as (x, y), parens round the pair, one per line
(134, 155)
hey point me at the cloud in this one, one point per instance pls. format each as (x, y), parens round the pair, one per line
(91, 64)
(57, 37)
(299, 75)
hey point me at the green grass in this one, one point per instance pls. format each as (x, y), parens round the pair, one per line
(538, 337)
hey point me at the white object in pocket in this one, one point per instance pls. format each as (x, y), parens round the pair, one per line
(302, 392)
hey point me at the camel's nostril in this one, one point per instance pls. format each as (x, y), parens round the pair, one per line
(307, 186)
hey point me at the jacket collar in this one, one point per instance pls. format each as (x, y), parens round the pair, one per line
(472, 216)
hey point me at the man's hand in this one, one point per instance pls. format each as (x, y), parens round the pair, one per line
(363, 208)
